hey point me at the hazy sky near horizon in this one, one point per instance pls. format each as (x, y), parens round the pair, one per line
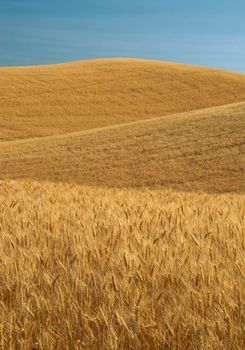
(208, 33)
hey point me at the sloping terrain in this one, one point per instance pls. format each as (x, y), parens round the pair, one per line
(106, 241)
(196, 151)
(48, 100)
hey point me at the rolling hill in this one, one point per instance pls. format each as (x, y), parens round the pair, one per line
(56, 99)
(122, 198)
(194, 151)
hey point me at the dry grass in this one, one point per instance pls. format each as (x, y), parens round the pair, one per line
(42, 101)
(116, 269)
(197, 151)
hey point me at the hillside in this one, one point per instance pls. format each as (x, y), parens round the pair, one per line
(194, 151)
(85, 268)
(122, 207)
(57, 99)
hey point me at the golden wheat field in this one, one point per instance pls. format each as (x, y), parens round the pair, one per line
(122, 207)
(56, 99)
(120, 269)
(201, 150)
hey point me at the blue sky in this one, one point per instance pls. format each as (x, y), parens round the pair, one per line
(208, 33)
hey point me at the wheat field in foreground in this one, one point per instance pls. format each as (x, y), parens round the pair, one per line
(57, 99)
(87, 268)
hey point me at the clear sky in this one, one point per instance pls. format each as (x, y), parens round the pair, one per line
(201, 32)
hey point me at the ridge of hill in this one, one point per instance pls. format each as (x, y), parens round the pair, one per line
(48, 100)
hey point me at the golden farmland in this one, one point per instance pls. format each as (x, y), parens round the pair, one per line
(122, 207)
(43, 101)
(201, 150)
(115, 269)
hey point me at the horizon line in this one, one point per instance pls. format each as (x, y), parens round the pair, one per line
(117, 58)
